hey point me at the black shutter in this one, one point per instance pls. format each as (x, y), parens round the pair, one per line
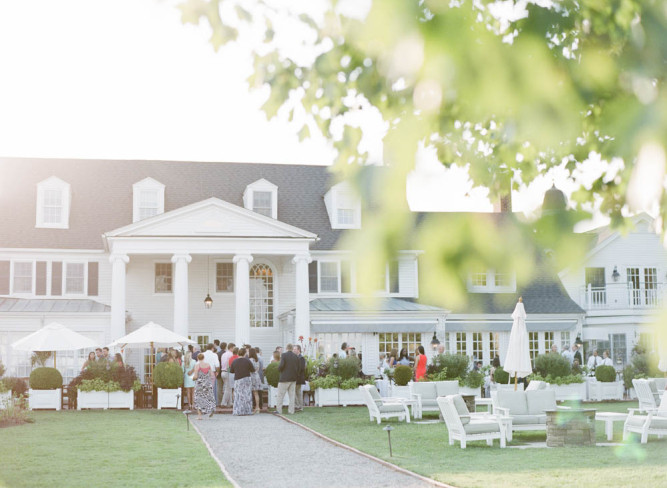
(56, 278)
(4, 277)
(40, 278)
(93, 278)
(312, 276)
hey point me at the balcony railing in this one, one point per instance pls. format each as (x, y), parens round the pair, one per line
(622, 296)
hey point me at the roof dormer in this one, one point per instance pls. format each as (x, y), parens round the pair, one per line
(262, 197)
(53, 204)
(343, 206)
(147, 199)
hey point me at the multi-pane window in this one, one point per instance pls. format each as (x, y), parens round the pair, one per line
(548, 341)
(564, 340)
(502, 279)
(494, 345)
(477, 348)
(149, 204)
(651, 286)
(261, 202)
(347, 208)
(23, 277)
(329, 277)
(261, 296)
(411, 340)
(52, 206)
(163, 275)
(478, 279)
(398, 341)
(74, 278)
(533, 345)
(224, 277)
(618, 349)
(461, 347)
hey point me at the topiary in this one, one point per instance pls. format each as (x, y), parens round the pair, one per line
(272, 374)
(475, 379)
(553, 365)
(2, 369)
(501, 376)
(456, 365)
(347, 367)
(46, 379)
(629, 374)
(605, 374)
(17, 385)
(168, 375)
(402, 375)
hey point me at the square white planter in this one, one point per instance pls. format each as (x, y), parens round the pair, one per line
(47, 399)
(104, 400)
(573, 391)
(465, 390)
(399, 391)
(5, 398)
(169, 398)
(333, 396)
(598, 391)
(273, 394)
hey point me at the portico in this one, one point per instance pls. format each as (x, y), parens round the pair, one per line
(204, 242)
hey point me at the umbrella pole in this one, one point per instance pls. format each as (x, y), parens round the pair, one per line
(150, 364)
(515, 382)
(54, 359)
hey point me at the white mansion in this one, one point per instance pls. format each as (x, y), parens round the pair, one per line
(104, 247)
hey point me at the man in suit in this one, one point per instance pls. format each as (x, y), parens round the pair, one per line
(576, 354)
(301, 379)
(289, 372)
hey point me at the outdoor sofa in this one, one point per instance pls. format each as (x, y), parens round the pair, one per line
(426, 393)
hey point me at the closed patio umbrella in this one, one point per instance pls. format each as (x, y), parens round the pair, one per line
(52, 338)
(152, 335)
(517, 361)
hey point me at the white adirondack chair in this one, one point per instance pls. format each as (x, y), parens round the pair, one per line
(645, 396)
(465, 426)
(383, 407)
(654, 423)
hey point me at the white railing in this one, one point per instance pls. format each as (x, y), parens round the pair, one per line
(621, 296)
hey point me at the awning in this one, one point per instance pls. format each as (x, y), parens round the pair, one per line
(595, 334)
(506, 326)
(360, 326)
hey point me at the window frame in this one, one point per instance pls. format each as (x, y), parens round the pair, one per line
(215, 277)
(319, 276)
(12, 277)
(84, 291)
(147, 184)
(490, 286)
(261, 185)
(171, 287)
(274, 297)
(53, 183)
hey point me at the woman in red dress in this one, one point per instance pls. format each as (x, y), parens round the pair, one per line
(420, 363)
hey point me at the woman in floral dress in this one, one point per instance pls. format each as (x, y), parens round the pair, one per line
(242, 369)
(256, 382)
(204, 377)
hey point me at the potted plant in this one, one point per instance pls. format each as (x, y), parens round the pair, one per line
(472, 384)
(168, 377)
(402, 376)
(106, 386)
(338, 383)
(557, 371)
(45, 388)
(605, 386)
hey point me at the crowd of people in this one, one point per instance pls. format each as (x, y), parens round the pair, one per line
(101, 355)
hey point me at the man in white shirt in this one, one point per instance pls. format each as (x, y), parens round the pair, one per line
(212, 358)
(594, 361)
(224, 368)
(606, 360)
(569, 355)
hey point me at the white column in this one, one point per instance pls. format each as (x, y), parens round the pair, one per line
(302, 305)
(242, 298)
(181, 293)
(118, 262)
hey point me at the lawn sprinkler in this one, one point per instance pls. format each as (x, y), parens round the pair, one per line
(389, 428)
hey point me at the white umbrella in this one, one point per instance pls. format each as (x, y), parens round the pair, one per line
(517, 361)
(54, 337)
(152, 335)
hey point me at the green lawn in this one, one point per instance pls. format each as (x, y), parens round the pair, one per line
(424, 449)
(141, 448)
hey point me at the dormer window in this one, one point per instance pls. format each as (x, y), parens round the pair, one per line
(491, 281)
(148, 199)
(343, 207)
(53, 204)
(262, 197)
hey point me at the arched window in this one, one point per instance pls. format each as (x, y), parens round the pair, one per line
(261, 296)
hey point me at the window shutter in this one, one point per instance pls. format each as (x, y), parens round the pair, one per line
(393, 277)
(56, 278)
(312, 276)
(4, 277)
(93, 277)
(345, 277)
(40, 278)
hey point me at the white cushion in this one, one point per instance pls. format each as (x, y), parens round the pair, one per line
(539, 401)
(514, 400)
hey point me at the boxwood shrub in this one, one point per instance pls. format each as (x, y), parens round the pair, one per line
(605, 374)
(168, 375)
(553, 365)
(347, 367)
(501, 376)
(402, 375)
(272, 374)
(45, 379)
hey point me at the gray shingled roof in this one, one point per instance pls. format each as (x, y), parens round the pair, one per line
(358, 304)
(11, 305)
(102, 196)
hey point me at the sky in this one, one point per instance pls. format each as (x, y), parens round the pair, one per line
(126, 79)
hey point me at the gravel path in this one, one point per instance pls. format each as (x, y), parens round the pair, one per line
(266, 451)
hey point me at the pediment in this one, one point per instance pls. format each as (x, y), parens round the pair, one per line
(211, 218)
